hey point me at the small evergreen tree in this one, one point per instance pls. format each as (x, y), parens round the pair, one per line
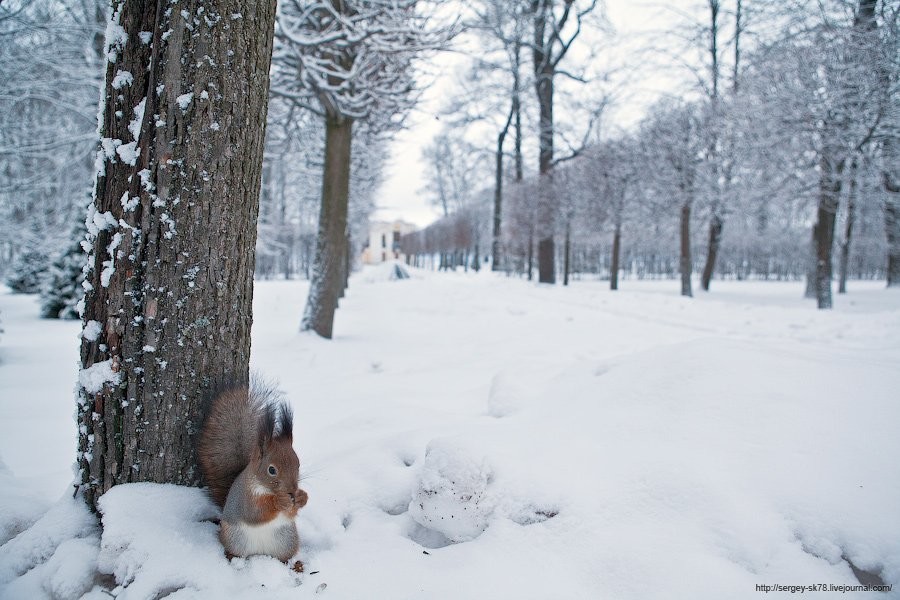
(28, 270)
(62, 289)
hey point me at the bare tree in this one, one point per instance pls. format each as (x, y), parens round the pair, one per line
(172, 232)
(556, 24)
(673, 141)
(348, 61)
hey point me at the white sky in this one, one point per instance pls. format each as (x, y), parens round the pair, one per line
(635, 23)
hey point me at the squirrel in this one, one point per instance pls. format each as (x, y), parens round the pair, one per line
(247, 459)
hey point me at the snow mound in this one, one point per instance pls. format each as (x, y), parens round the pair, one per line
(160, 538)
(54, 557)
(19, 509)
(506, 396)
(451, 495)
(154, 534)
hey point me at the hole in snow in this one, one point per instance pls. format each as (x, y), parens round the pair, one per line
(345, 522)
(601, 370)
(396, 509)
(864, 576)
(427, 538)
(827, 550)
(530, 515)
(169, 591)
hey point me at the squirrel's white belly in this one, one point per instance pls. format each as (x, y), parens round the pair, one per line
(260, 539)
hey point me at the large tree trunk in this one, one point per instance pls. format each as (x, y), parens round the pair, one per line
(829, 194)
(848, 230)
(685, 263)
(331, 244)
(173, 230)
(614, 266)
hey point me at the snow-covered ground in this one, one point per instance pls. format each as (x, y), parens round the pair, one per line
(473, 436)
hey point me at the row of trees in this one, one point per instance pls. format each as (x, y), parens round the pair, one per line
(342, 77)
(768, 143)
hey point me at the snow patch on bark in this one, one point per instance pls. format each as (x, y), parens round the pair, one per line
(135, 125)
(184, 100)
(116, 37)
(122, 79)
(128, 153)
(97, 375)
(91, 330)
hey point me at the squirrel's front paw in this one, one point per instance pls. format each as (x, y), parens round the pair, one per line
(284, 502)
(300, 498)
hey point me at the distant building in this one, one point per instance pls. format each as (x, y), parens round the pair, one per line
(384, 241)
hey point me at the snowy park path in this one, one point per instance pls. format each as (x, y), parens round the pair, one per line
(473, 436)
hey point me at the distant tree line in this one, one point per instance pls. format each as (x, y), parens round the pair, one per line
(779, 162)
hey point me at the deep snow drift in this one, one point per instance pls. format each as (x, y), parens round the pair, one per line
(472, 436)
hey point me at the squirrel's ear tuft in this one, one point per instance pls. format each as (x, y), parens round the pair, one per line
(266, 428)
(287, 421)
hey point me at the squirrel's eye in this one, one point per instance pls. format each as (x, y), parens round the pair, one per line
(273, 471)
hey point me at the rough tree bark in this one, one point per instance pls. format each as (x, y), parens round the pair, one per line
(172, 229)
(331, 243)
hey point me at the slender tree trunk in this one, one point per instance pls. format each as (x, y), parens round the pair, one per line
(685, 263)
(567, 253)
(331, 243)
(738, 29)
(891, 183)
(348, 264)
(543, 85)
(712, 250)
(173, 231)
(848, 230)
(530, 252)
(498, 194)
(546, 202)
(829, 194)
(614, 266)
(810, 291)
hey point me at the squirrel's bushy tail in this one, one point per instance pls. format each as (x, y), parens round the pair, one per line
(228, 434)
